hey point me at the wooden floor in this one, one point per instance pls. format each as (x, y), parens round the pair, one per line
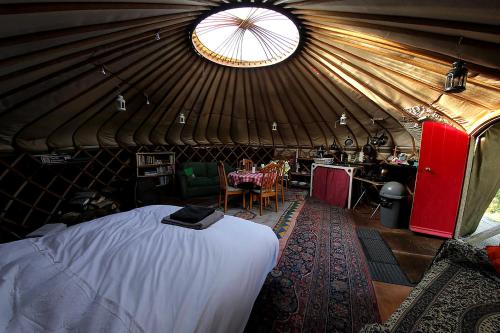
(414, 253)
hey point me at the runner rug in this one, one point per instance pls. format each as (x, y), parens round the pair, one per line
(321, 282)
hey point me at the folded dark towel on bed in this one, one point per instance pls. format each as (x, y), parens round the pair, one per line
(192, 214)
(203, 224)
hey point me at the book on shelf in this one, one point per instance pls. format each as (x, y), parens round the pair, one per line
(155, 159)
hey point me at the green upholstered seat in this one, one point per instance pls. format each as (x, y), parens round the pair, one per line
(204, 180)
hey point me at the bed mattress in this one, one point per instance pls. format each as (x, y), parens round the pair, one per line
(127, 272)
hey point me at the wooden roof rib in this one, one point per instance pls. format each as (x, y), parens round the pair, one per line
(366, 59)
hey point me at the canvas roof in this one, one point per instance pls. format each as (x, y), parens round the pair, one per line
(369, 59)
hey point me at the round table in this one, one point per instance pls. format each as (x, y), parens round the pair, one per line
(235, 178)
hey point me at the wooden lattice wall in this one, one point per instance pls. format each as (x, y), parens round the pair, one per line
(32, 194)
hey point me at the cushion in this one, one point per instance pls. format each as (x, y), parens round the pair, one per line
(494, 256)
(188, 172)
(234, 189)
(199, 168)
(203, 181)
(258, 191)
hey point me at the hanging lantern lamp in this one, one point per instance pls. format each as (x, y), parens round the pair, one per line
(182, 118)
(343, 119)
(275, 126)
(120, 103)
(456, 77)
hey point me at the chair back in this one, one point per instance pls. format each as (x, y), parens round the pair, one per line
(222, 175)
(280, 165)
(246, 164)
(269, 178)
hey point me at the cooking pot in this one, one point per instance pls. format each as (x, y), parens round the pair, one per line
(382, 140)
(374, 141)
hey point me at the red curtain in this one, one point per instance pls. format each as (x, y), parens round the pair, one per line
(319, 183)
(331, 185)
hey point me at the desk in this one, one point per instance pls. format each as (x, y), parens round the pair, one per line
(375, 184)
(349, 171)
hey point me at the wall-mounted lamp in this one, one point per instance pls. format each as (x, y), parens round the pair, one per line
(157, 35)
(182, 118)
(147, 99)
(103, 71)
(275, 126)
(120, 103)
(456, 77)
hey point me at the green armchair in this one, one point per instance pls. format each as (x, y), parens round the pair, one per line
(196, 179)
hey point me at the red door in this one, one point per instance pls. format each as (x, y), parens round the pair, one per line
(443, 156)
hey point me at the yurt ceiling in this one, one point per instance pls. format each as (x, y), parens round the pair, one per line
(382, 63)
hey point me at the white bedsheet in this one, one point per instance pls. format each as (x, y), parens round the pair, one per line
(127, 272)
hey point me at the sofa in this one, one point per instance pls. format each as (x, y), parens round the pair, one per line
(459, 293)
(196, 179)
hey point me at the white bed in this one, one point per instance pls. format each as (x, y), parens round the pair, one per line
(127, 272)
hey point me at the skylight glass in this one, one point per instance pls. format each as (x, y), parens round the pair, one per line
(246, 37)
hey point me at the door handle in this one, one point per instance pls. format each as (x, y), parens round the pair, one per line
(427, 169)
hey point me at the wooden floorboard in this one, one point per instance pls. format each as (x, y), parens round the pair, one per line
(389, 297)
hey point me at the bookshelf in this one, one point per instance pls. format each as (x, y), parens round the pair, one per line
(159, 166)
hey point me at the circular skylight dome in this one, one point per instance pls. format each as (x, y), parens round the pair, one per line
(246, 37)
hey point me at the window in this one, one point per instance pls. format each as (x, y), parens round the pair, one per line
(493, 211)
(246, 37)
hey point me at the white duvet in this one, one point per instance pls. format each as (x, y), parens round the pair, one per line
(127, 272)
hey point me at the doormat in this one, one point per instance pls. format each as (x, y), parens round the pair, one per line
(382, 264)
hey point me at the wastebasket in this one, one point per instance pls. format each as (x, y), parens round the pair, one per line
(392, 196)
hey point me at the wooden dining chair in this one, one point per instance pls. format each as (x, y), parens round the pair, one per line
(246, 164)
(225, 189)
(268, 188)
(281, 180)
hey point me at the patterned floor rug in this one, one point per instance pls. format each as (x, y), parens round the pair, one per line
(322, 282)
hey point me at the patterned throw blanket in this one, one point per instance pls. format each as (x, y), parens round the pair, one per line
(459, 293)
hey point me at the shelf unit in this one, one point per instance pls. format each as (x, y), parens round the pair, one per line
(304, 176)
(160, 165)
